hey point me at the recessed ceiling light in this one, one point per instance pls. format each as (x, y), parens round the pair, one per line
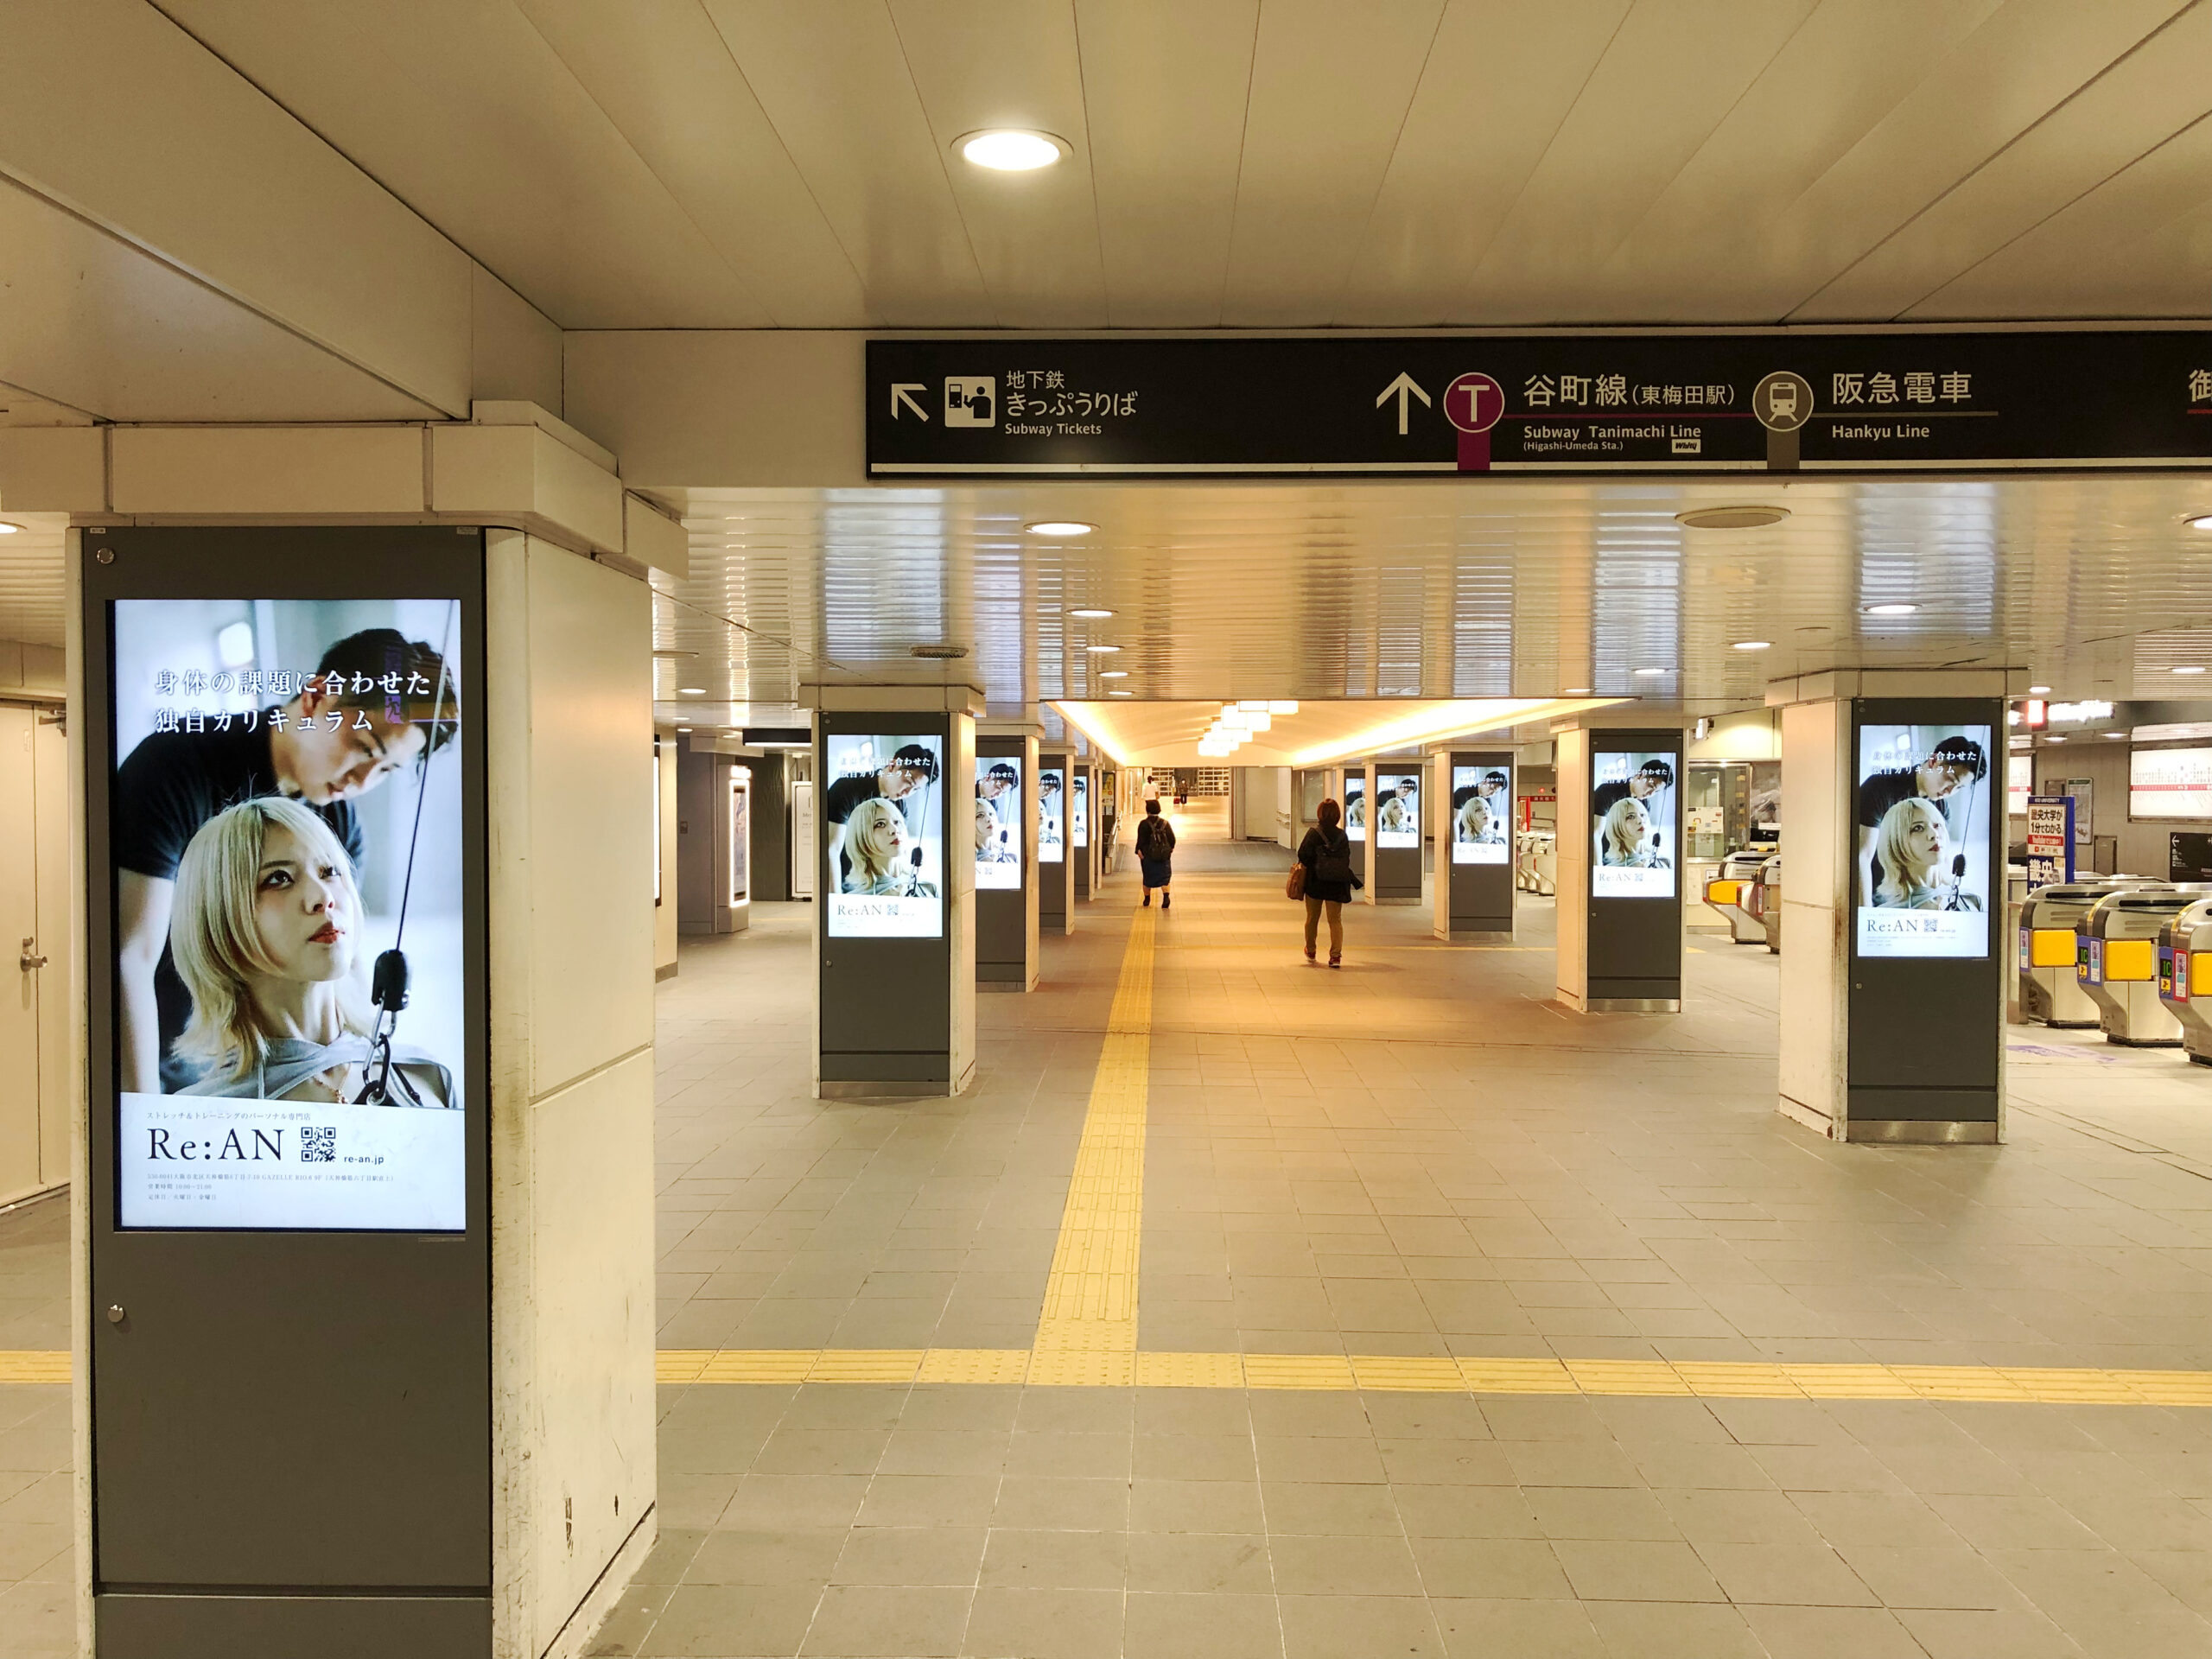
(1752, 644)
(1059, 527)
(1646, 673)
(1576, 691)
(1102, 651)
(2039, 691)
(690, 691)
(2190, 669)
(2118, 734)
(1118, 692)
(1749, 515)
(1090, 612)
(1012, 149)
(2200, 521)
(684, 730)
(1897, 607)
(1113, 673)
(2054, 738)
(7, 529)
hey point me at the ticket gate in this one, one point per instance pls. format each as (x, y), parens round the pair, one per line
(2117, 962)
(1536, 861)
(2050, 993)
(2185, 978)
(1767, 892)
(1734, 892)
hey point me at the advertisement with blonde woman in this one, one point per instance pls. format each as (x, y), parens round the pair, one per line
(1923, 870)
(1632, 824)
(1482, 805)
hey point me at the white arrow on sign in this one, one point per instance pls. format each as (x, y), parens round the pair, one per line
(901, 388)
(1400, 388)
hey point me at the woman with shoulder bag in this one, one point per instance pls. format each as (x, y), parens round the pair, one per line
(1324, 860)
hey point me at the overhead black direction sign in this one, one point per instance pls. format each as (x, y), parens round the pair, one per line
(1680, 404)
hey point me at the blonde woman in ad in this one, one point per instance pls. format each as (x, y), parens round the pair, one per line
(1625, 838)
(875, 846)
(1910, 849)
(265, 931)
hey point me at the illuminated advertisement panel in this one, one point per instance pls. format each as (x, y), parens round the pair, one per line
(1051, 801)
(1632, 824)
(998, 821)
(291, 983)
(1481, 814)
(1396, 811)
(1921, 873)
(886, 830)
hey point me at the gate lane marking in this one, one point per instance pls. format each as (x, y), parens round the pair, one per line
(1087, 1328)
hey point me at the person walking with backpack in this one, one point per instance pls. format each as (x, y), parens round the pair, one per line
(1156, 853)
(1325, 856)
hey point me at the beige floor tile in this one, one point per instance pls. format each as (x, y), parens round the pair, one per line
(1513, 1569)
(797, 1557)
(1672, 1630)
(1812, 1632)
(1618, 1570)
(1199, 1561)
(1221, 1625)
(864, 1621)
(1802, 1575)
(909, 1557)
(1008, 1623)
(1329, 1627)
(1309, 1508)
(706, 1621)
(1355, 1565)
(1481, 1629)
(1055, 1561)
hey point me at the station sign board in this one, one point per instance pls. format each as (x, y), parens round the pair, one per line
(2051, 840)
(1674, 402)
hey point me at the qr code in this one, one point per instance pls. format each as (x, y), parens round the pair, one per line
(318, 1145)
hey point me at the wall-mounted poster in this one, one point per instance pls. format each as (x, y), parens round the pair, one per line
(1481, 814)
(291, 985)
(1921, 872)
(1051, 804)
(1632, 824)
(740, 836)
(998, 821)
(887, 837)
(1356, 806)
(1396, 811)
(1079, 812)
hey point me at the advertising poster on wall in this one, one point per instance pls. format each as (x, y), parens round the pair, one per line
(1481, 814)
(2170, 784)
(1079, 812)
(1396, 811)
(1921, 870)
(1632, 824)
(1356, 806)
(291, 984)
(2051, 840)
(887, 837)
(1052, 806)
(998, 821)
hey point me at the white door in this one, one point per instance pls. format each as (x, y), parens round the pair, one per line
(57, 1054)
(19, 987)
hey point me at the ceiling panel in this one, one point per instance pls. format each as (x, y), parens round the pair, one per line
(1499, 82)
(1331, 86)
(2008, 74)
(1310, 734)
(1165, 86)
(461, 108)
(2158, 90)
(1669, 75)
(834, 77)
(1014, 63)
(1706, 249)
(665, 78)
(1427, 590)
(32, 581)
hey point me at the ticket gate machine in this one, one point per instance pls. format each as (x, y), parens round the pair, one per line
(2049, 992)
(1732, 893)
(2117, 962)
(1767, 895)
(2185, 978)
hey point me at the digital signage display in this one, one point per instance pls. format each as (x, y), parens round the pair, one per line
(1481, 814)
(885, 834)
(292, 976)
(1355, 806)
(2170, 784)
(998, 821)
(1920, 874)
(1079, 812)
(1632, 824)
(1396, 811)
(1052, 803)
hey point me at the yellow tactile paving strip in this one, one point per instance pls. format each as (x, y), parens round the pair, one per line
(1087, 1329)
(33, 1365)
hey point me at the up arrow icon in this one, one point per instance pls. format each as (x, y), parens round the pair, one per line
(1402, 388)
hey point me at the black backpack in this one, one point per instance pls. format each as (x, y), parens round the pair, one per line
(1149, 838)
(1332, 859)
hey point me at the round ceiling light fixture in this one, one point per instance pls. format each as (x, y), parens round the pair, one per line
(1118, 692)
(1059, 527)
(1752, 644)
(1113, 673)
(938, 653)
(2189, 668)
(1897, 607)
(2039, 691)
(1748, 515)
(690, 691)
(2199, 521)
(1649, 673)
(1011, 149)
(1576, 691)
(1092, 613)
(7, 529)
(2054, 737)
(1102, 651)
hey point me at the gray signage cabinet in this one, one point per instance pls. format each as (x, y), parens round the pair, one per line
(1006, 918)
(1394, 874)
(1055, 858)
(291, 1431)
(1082, 834)
(1473, 899)
(1634, 943)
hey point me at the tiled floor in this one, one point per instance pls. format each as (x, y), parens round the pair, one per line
(1418, 1155)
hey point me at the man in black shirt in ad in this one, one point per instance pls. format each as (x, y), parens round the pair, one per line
(908, 769)
(1648, 779)
(365, 713)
